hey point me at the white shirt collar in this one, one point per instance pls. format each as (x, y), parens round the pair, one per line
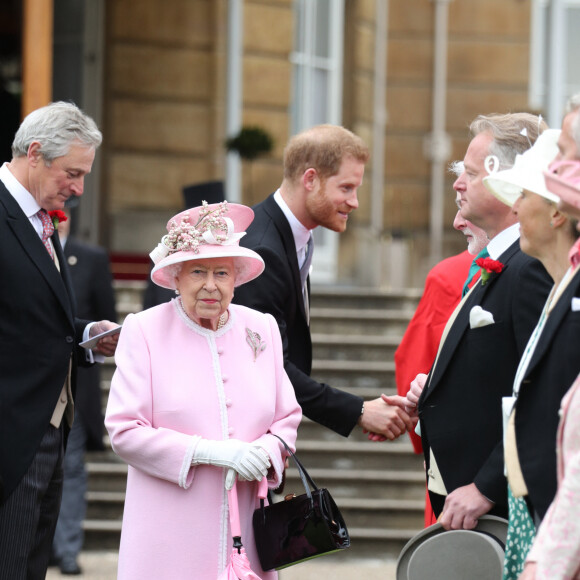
(500, 243)
(301, 234)
(22, 196)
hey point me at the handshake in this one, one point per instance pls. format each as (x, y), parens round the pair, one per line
(246, 460)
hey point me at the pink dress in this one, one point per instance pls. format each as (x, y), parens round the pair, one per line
(175, 379)
(557, 546)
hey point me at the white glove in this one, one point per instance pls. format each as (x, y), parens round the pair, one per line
(249, 461)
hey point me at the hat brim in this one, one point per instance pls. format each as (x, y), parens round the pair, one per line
(487, 526)
(507, 186)
(248, 264)
(563, 189)
(456, 555)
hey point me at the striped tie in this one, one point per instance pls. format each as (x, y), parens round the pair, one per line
(473, 270)
(47, 229)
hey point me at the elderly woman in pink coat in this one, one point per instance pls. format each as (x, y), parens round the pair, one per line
(198, 394)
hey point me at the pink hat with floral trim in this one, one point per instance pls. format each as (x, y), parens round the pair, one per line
(203, 232)
(563, 179)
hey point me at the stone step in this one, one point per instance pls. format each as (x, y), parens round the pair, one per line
(102, 534)
(383, 513)
(369, 376)
(357, 512)
(364, 298)
(105, 505)
(310, 431)
(381, 462)
(366, 499)
(354, 455)
(365, 542)
(353, 347)
(106, 474)
(130, 297)
(363, 483)
(377, 542)
(355, 321)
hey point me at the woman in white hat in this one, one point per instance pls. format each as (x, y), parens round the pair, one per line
(198, 393)
(549, 363)
(555, 553)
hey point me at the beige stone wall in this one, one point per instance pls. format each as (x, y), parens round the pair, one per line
(355, 263)
(488, 50)
(267, 78)
(165, 105)
(164, 110)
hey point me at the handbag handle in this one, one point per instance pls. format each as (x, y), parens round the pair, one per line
(307, 481)
(235, 517)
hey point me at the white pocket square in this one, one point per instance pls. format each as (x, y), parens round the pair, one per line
(479, 317)
(575, 304)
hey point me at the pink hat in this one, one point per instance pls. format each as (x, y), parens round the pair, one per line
(202, 232)
(563, 179)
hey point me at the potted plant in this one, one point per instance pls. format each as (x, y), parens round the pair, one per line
(250, 142)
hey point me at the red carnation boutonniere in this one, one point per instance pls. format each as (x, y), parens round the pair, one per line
(488, 266)
(57, 216)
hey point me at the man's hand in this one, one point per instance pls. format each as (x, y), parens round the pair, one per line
(384, 421)
(108, 344)
(463, 507)
(402, 403)
(415, 390)
(529, 572)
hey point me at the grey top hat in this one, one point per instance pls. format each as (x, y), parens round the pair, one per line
(435, 553)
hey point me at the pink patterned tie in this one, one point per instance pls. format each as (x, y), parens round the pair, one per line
(47, 229)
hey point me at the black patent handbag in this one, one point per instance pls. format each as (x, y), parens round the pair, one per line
(300, 527)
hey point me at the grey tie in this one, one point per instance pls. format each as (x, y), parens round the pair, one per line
(304, 269)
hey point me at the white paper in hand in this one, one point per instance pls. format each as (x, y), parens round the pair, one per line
(92, 342)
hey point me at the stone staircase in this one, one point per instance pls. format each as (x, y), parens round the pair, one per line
(379, 487)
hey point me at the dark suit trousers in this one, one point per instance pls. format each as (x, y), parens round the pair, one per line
(69, 536)
(28, 517)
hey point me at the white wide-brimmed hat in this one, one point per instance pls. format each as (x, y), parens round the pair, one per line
(527, 172)
(203, 232)
(563, 179)
(476, 554)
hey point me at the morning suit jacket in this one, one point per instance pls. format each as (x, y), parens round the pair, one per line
(38, 334)
(553, 368)
(418, 347)
(460, 407)
(92, 282)
(278, 291)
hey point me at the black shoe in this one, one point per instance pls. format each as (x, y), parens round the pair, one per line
(69, 566)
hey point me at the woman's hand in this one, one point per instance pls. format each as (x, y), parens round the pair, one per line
(247, 460)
